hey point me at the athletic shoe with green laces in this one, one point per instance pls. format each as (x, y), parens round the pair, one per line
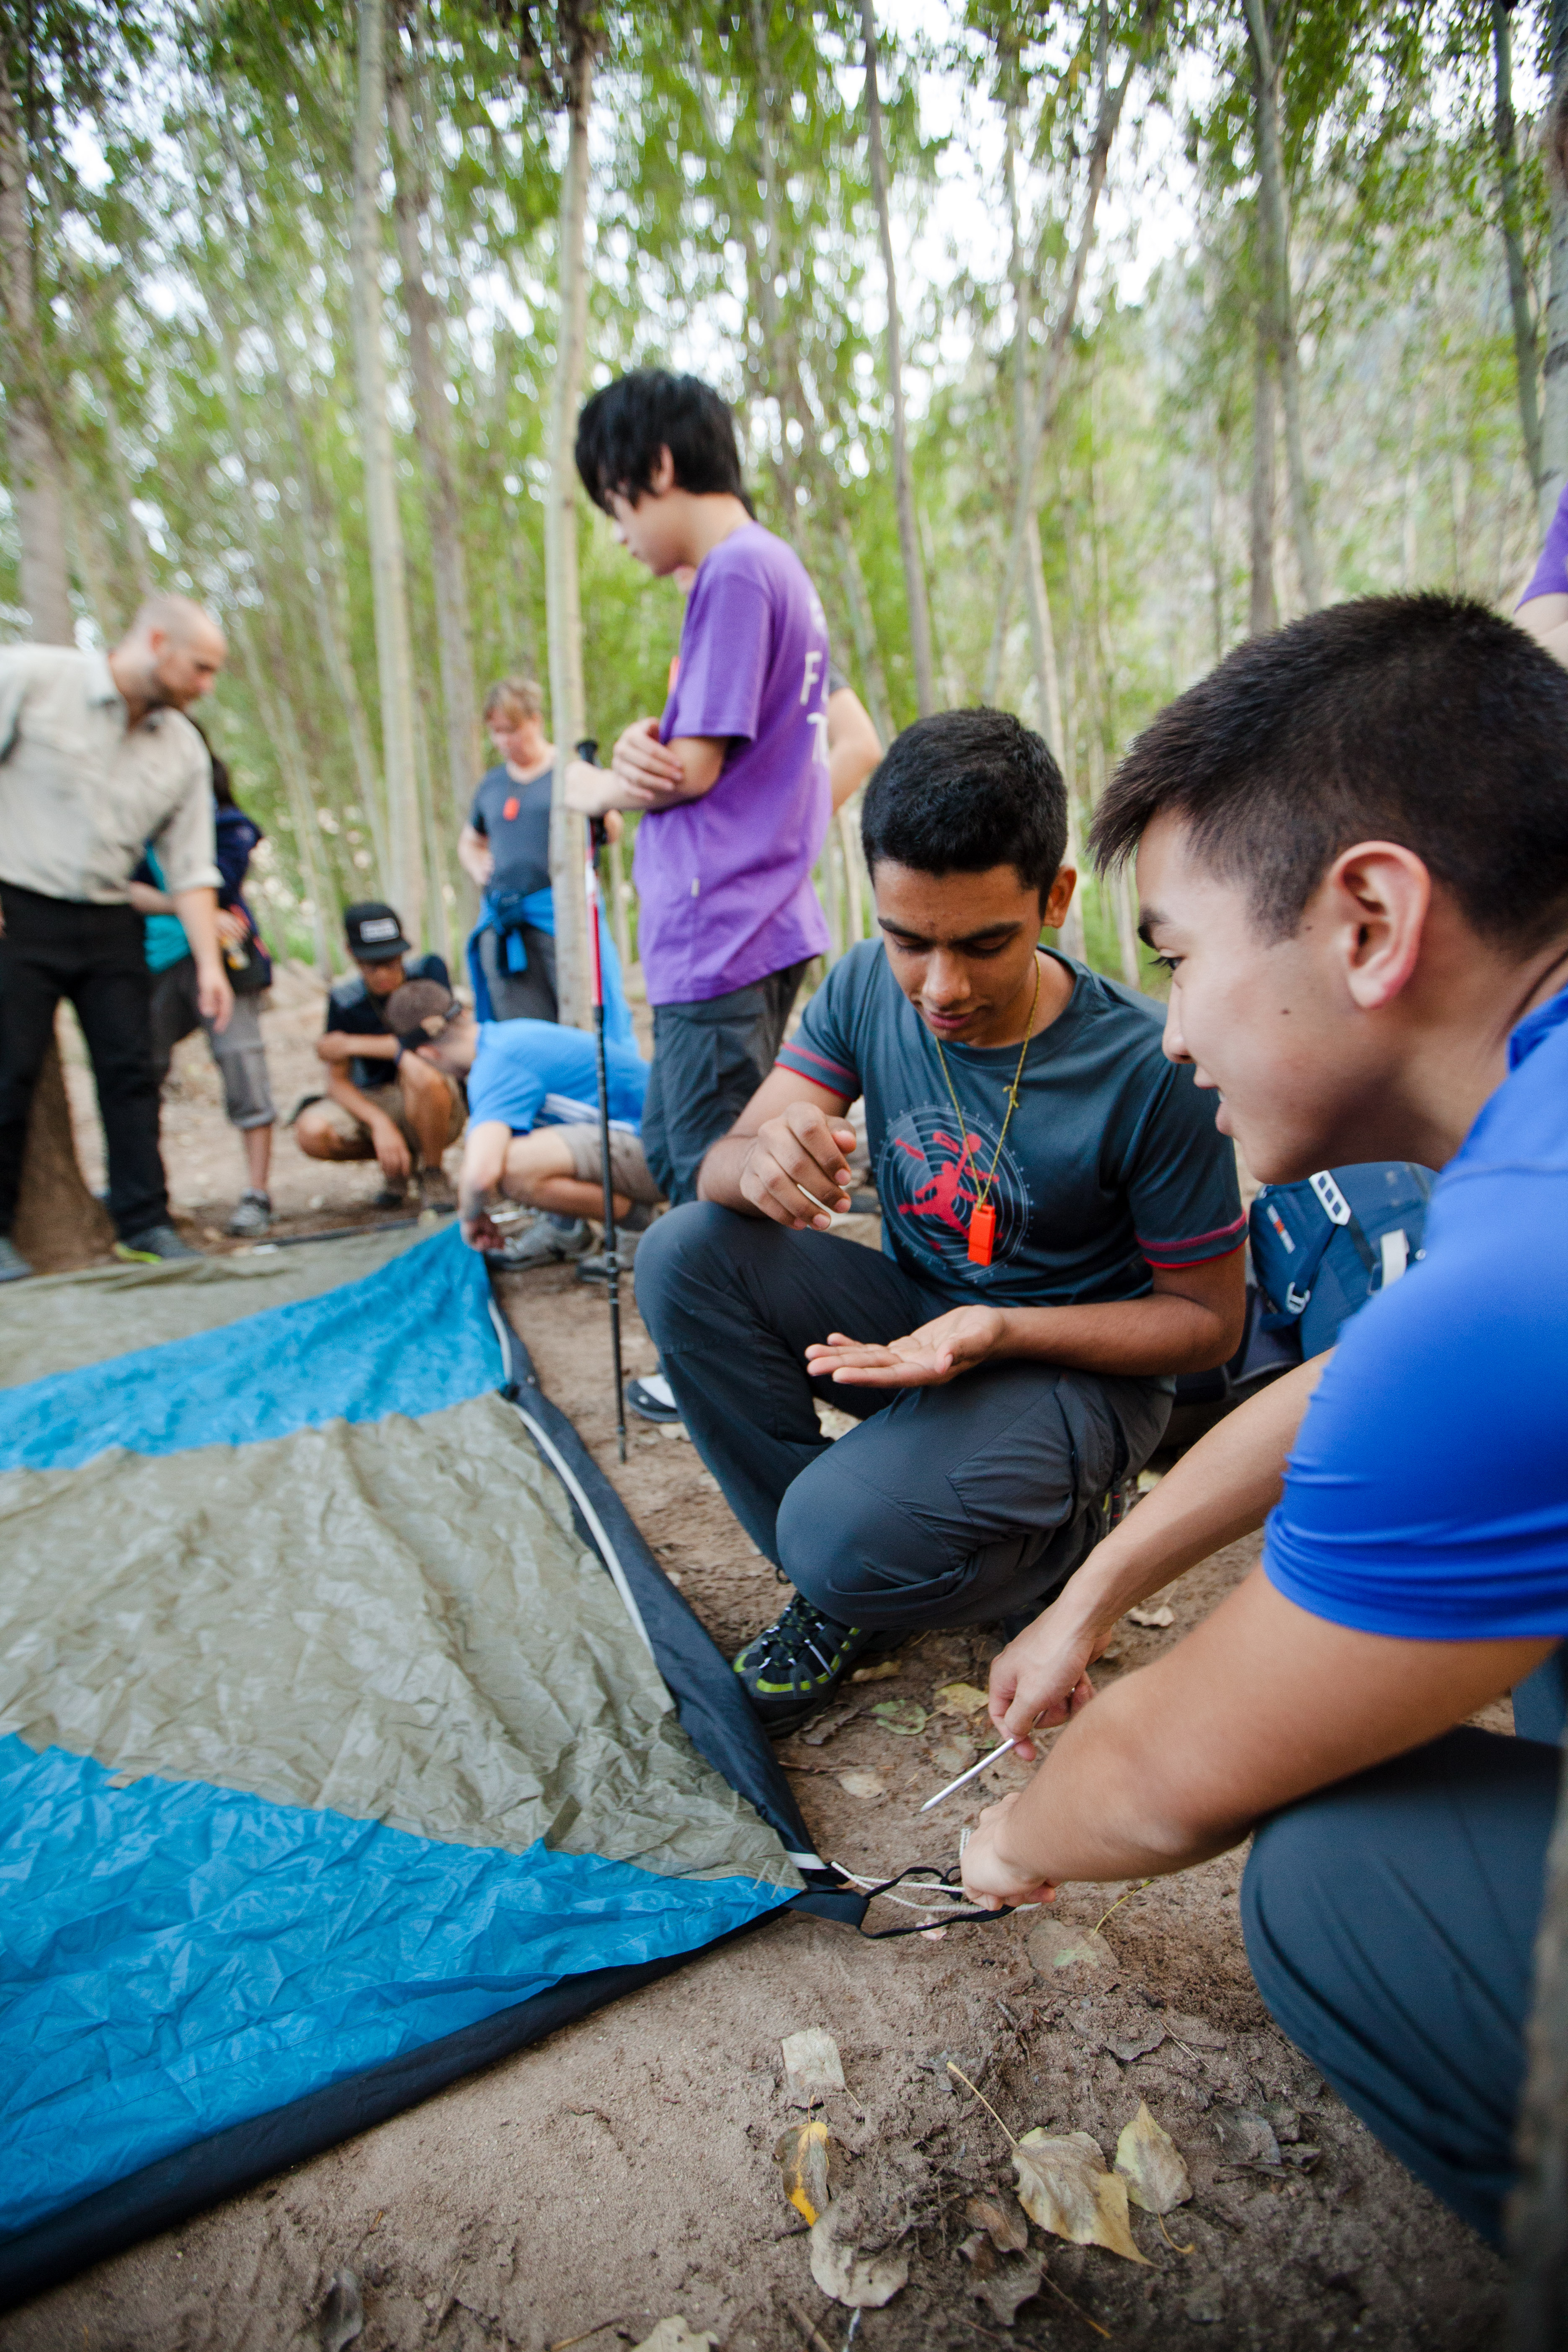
(157, 1246)
(795, 1666)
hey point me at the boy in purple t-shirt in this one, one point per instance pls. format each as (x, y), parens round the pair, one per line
(732, 781)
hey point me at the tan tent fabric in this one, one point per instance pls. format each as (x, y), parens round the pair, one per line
(396, 1619)
(60, 1321)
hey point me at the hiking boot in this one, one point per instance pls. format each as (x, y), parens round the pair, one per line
(436, 1190)
(159, 1245)
(653, 1399)
(253, 1216)
(394, 1195)
(549, 1241)
(13, 1266)
(795, 1666)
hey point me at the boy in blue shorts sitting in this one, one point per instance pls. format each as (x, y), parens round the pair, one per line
(533, 1121)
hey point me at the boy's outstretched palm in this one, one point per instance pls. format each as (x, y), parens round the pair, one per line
(927, 1359)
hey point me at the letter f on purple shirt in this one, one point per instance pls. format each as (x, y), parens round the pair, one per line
(724, 882)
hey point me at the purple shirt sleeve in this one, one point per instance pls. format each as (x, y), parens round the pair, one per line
(726, 646)
(1549, 577)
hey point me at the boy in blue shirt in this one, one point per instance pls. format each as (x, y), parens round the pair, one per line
(1351, 842)
(534, 1120)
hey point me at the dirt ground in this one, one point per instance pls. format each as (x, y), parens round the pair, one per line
(623, 2171)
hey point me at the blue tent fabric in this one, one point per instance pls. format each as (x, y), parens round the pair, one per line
(410, 1339)
(177, 1958)
(186, 1966)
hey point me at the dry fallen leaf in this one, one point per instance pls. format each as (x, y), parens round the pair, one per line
(1002, 2223)
(1064, 2186)
(960, 1698)
(1002, 2282)
(1245, 2137)
(674, 2335)
(1054, 1944)
(862, 1784)
(1161, 1617)
(883, 1671)
(1137, 2042)
(861, 2281)
(953, 1755)
(818, 1734)
(803, 2155)
(812, 2063)
(903, 1715)
(1152, 2163)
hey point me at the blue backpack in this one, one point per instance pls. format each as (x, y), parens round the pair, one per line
(1321, 1248)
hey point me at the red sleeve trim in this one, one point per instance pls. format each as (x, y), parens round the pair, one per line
(1176, 1265)
(842, 1080)
(1190, 1241)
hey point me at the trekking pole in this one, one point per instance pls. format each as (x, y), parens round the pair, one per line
(589, 751)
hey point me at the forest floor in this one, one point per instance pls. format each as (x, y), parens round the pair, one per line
(623, 2171)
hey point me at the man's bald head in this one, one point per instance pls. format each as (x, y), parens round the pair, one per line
(169, 656)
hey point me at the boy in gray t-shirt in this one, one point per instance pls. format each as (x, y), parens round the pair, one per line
(1062, 1234)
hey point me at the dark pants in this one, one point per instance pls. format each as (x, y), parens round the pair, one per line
(1391, 1926)
(520, 995)
(94, 955)
(946, 1507)
(708, 1060)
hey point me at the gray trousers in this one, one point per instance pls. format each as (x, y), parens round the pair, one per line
(950, 1505)
(709, 1059)
(522, 995)
(238, 1050)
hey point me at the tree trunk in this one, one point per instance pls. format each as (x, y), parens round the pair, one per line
(1274, 225)
(1111, 105)
(567, 847)
(1042, 638)
(1263, 611)
(1555, 368)
(36, 474)
(1511, 215)
(277, 719)
(393, 643)
(903, 477)
(59, 1224)
(433, 431)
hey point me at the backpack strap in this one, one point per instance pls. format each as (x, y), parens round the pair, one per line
(1338, 1210)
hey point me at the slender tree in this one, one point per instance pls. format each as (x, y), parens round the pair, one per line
(1112, 99)
(394, 641)
(433, 430)
(577, 43)
(36, 472)
(903, 476)
(1511, 220)
(1554, 359)
(1264, 24)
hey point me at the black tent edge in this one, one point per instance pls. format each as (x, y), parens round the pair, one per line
(177, 2187)
(719, 1721)
(714, 1711)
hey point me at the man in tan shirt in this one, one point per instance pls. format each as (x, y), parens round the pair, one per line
(97, 759)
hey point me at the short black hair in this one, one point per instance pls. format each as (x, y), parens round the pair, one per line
(1429, 721)
(623, 428)
(966, 790)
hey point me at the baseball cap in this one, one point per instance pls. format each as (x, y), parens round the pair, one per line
(373, 932)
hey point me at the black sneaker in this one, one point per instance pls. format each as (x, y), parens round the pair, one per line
(159, 1245)
(795, 1666)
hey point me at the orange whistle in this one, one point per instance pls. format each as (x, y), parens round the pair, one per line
(511, 809)
(982, 1233)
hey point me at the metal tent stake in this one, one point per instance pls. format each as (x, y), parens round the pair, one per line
(596, 838)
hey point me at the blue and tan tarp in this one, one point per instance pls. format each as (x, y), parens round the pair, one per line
(350, 1734)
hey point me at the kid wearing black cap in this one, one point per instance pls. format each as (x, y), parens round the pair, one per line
(381, 1104)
